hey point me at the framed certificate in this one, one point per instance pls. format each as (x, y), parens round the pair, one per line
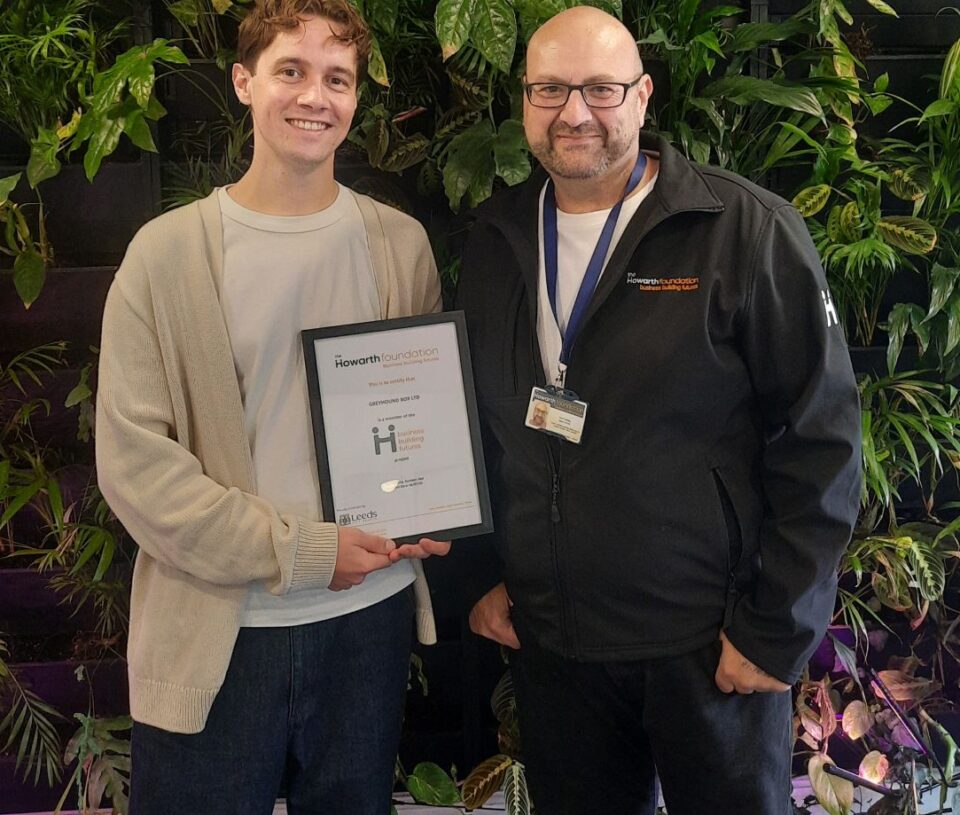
(396, 427)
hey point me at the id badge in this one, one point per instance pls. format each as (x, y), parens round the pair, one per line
(557, 412)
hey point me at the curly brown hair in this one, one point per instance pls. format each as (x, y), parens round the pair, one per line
(268, 18)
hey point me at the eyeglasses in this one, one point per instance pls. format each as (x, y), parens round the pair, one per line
(595, 94)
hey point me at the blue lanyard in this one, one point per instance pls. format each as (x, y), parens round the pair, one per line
(594, 267)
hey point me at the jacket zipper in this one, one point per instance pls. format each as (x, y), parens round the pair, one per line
(554, 461)
(734, 544)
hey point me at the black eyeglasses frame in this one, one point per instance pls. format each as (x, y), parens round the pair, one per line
(528, 88)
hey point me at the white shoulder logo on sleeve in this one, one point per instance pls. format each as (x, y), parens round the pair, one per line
(829, 308)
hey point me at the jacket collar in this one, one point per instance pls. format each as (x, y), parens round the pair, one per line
(680, 187)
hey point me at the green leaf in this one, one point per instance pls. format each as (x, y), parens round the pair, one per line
(906, 185)
(942, 283)
(877, 103)
(185, 12)
(897, 324)
(29, 273)
(407, 153)
(7, 186)
(834, 794)
(928, 569)
(470, 165)
(376, 66)
(106, 557)
(56, 501)
(453, 20)
(103, 142)
(140, 80)
(953, 325)
(494, 32)
(749, 36)
(841, 11)
(429, 784)
(941, 107)
(510, 153)
(43, 162)
(709, 40)
(881, 83)
(745, 90)
(913, 235)
(950, 73)
(382, 14)
(883, 7)
(138, 131)
(811, 200)
(79, 392)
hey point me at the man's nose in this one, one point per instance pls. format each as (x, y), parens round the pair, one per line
(576, 111)
(313, 95)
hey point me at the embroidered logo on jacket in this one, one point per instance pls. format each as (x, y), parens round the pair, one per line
(829, 308)
(663, 283)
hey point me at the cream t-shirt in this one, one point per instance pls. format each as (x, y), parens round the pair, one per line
(283, 274)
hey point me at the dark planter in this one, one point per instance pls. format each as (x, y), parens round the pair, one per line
(70, 307)
(17, 795)
(57, 684)
(872, 359)
(29, 606)
(91, 223)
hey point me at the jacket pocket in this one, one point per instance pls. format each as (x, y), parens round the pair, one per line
(732, 525)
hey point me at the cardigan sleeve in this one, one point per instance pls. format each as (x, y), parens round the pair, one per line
(161, 492)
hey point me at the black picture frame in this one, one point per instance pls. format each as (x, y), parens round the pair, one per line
(315, 392)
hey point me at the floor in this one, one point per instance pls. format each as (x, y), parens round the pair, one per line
(801, 788)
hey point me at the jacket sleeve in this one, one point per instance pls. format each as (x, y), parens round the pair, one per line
(478, 566)
(159, 490)
(810, 473)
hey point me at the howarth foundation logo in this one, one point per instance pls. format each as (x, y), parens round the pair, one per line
(340, 362)
(386, 357)
(663, 283)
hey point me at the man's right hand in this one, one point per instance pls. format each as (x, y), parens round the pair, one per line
(358, 554)
(490, 617)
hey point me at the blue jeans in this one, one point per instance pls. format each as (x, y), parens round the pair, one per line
(617, 726)
(316, 708)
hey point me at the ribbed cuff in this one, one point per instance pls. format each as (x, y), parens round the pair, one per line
(170, 707)
(316, 556)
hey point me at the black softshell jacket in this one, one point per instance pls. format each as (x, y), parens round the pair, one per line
(718, 477)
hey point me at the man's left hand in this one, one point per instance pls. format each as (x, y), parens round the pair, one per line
(737, 673)
(425, 548)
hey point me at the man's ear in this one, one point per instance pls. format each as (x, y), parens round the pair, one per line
(644, 92)
(241, 83)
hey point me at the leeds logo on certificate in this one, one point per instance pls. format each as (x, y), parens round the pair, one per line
(396, 430)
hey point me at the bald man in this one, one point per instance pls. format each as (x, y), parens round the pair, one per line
(669, 539)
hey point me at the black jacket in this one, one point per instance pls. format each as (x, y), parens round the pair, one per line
(719, 471)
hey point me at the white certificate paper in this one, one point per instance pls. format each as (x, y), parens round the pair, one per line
(395, 426)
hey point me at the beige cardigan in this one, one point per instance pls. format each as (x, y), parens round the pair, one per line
(174, 462)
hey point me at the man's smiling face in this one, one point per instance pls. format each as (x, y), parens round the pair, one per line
(576, 141)
(302, 95)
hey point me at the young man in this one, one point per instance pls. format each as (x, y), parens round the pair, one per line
(668, 572)
(266, 646)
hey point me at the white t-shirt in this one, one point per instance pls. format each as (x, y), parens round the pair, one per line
(577, 236)
(283, 274)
